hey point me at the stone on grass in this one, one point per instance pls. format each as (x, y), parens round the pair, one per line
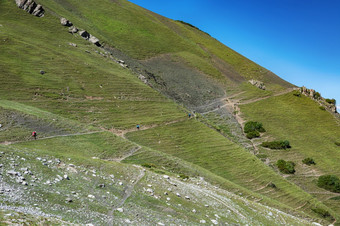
(203, 221)
(120, 210)
(66, 177)
(166, 176)
(65, 22)
(84, 34)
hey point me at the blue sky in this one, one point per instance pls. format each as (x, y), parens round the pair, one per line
(299, 40)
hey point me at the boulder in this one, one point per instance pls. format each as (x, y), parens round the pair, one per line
(94, 40)
(258, 84)
(31, 7)
(73, 30)
(65, 22)
(84, 34)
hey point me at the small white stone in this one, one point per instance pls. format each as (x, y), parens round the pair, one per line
(203, 221)
(214, 222)
(166, 177)
(194, 211)
(91, 196)
(120, 210)
(178, 194)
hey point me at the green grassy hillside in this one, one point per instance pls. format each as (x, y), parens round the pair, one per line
(86, 105)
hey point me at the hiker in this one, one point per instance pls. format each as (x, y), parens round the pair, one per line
(34, 134)
(137, 126)
(189, 115)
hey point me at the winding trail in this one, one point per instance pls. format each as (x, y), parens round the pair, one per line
(127, 155)
(127, 193)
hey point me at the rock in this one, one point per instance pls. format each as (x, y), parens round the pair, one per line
(66, 177)
(168, 199)
(31, 7)
(73, 30)
(94, 40)
(65, 22)
(84, 34)
(194, 211)
(166, 177)
(206, 205)
(1, 165)
(12, 172)
(214, 222)
(149, 190)
(166, 193)
(120, 183)
(178, 195)
(91, 196)
(68, 199)
(120, 210)
(149, 185)
(42, 72)
(160, 223)
(187, 197)
(203, 221)
(258, 84)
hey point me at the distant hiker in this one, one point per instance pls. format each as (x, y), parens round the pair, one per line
(189, 115)
(137, 126)
(34, 134)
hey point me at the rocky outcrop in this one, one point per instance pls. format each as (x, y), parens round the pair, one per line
(84, 34)
(329, 104)
(258, 84)
(65, 22)
(31, 7)
(73, 30)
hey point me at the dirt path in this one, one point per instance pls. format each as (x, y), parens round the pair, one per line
(266, 97)
(122, 133)
(127, 155)
(45, 138)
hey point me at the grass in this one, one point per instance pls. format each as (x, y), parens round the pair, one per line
(204, 147)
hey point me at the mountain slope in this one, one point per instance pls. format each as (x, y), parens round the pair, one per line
(87, 97)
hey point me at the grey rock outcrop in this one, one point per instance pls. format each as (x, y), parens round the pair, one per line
(73, 30)
(94, 40)
(31, 7)
(65, 22)
(258, 84)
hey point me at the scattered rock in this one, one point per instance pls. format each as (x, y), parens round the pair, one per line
(91, 196)
(178, 195)
(120, 210)
(68, 199)
(102, 185)
(65, 22)
(166, 176)
(73, 30)
(12, 172)
(187, 197)
(214, 222)
(194, 211)
(94, 40)
(203, 221)
(42, 72)
(31, 7)
(66, 177)
(258, 84)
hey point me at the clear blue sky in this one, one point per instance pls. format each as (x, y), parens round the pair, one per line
(299, 40)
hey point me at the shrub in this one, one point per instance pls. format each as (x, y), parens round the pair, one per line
(329, 182)
(286, 167)
(331, 101)
(284, 144)
(323, 213)
(253, 126)
(322, 108)
(308, 161)
(297, 94)
(183, 176)
(337, 143)
(317, 95)
(253, 134)
(149, 165)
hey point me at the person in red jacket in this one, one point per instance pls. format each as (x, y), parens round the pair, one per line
(34, 134)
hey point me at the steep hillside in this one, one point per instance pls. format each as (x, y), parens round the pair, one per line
(90, 164)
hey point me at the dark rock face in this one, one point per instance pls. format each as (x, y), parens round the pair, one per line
(31, 7)
(84, 34)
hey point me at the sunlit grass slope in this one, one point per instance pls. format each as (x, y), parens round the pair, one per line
(197, 144)
(143, 34)
(311, 131)
(78, 85)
